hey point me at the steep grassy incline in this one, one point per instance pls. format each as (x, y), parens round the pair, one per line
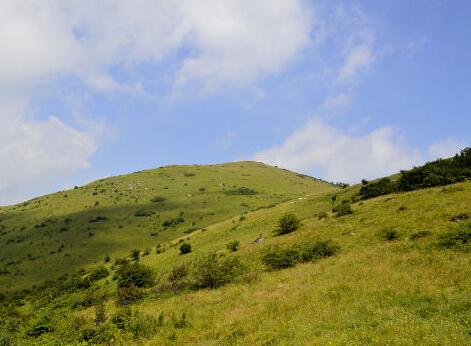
(408, 290)
(61, 232)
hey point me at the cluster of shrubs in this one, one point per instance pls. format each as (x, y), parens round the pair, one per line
(241, 191)
(342, 209)
(284, 257)
(435, 173)
(458, 238)
(208, 271)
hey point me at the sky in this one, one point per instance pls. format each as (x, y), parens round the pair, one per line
(340, 90)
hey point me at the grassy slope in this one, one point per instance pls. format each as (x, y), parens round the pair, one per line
(51, 235)
(404, 292)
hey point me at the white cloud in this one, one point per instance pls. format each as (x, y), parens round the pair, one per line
(226, 40)
(359, 58)
(212, 42)
(35, 153)
(323, 150)
(338, 101)
(445, 148)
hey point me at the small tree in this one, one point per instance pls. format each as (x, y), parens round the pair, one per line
(185, 248)
(233, 245)
(135, 254)
(288, 223)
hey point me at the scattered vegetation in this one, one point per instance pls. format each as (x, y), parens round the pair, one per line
(288, 223)
(278, 257)
(185, 248)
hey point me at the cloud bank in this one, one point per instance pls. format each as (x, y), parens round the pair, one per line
(339, 156)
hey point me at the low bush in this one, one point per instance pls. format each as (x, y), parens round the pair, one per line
(419, 234)
(243, 191)
(143, 213)
(288, 223)
(158, 199)
(98, 218)
(98, 273)
(459, 238)
(129, 295)
(277, 257)
(135, 254)
(213, 270)
(389, 235)
(135, 274)
(185, 248)
(233, 245)
(381, 187)
(322, 215)
(343, 209)
(280, 258)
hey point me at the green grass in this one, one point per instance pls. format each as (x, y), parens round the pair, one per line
(68, 230)
(373, 291)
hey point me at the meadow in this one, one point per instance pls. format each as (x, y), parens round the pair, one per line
(389, 270)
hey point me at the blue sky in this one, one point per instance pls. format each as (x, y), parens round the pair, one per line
(342, 90)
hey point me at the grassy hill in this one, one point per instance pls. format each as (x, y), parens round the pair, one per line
(58, 233)
(390, 270)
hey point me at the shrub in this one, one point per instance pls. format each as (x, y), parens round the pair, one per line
(280, 258)
(157, 199)
(389, 235)
(322, 215)
(143, 213)
(185, 248)
(343, 209)
(135, 253)
(383, 186)
(98, 273)
(100, 313)
(98, 219)
(128, 295)
(419, 234)
(212, 271)
(146, 252)
(107, 259)
(285, 257)
(288, 223)
(456, 238)
(243, 191)
(233, 246)
(318, 250)
(135, 274)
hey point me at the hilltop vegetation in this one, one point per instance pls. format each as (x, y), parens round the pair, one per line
(66, 231)
(313, 264)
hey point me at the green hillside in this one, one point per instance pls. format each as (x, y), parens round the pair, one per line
(389, 270)
(51, 235)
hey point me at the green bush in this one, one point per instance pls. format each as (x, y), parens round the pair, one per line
(135, 274)
(322, 215)
(288, 223)
(243, 191)
(318, 250)
(419, 234)
(98, 273)
(389, 235)
(459, 238)
(280, 258)
(185, 248)
(285, 257)
(233, 246)
(212, 270)
(343, 209)
(143, 213)
(129, 295)
(135, 253)
(157, 199)
(383, 186)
